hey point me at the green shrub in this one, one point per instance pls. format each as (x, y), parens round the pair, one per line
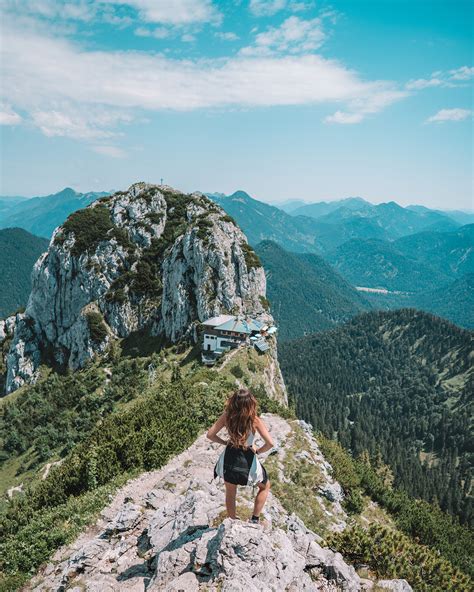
(89, 226)
(391, 554)
(419, 519)
(143, 436)
(264, 302)
(250, 256)
(237, 371)
(97, 328)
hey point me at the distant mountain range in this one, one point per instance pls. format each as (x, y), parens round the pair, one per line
(41, 215)
(413, 263)
(306, 294)
(261, 221)
(322, 227)
(420, 256)
(19, 251)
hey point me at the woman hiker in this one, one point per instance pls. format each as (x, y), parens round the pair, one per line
(239, 464)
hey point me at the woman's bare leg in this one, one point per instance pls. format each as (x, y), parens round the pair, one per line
(230, 493)
(261, 497)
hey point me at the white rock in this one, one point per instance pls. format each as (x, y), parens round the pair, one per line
(395, 585)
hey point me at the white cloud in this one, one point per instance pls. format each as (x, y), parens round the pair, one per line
(227, 36)
(344, 118)
(158, 33)
(294, 35)
(169, 12)
(8, 116)
(112, 151)
(452, 78)
(463, 73)
(423, 83)
(173, 12)
(450, 115)
(270, 7)
(65, 90)
(70, 120)
(188, 38)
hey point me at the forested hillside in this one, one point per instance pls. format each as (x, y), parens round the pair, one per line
(18, 252)
(305, 293)
(397, 384)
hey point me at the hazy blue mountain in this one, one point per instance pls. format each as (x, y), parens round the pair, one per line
(460, 216)
(261, 221)
(316, 210)
(331, 236)
(306, 294)
(451, 253)
(289, 205)
(380, 264)
(41, 215)
(19, 251)
(454, 302)
(392, 218)
(431, 271)
(9, 201)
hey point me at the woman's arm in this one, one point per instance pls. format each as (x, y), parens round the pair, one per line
(263, 431)
(215, 429)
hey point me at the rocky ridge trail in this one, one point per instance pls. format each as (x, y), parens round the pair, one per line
(166, 531)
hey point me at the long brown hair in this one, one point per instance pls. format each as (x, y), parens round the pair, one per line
(241, 411)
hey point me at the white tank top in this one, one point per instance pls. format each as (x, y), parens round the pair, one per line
(250, 438)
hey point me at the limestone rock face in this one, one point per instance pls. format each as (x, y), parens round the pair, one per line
(146, 259)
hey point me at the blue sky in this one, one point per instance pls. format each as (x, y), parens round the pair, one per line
(283, 98)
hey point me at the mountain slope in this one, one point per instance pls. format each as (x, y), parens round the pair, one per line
(305, 293)
(41, 215)
(379, 264)
(261, 221)
(19, 251)
(453, 301)
(451, 253)
(399, 383)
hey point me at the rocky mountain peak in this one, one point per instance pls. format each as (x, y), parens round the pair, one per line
(150, 258)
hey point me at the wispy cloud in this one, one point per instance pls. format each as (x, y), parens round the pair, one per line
(65, 90)
(226, 36)
(174, 12)
(344, 118)
(295, 35)
(157, 33)
(119, 12)
(450, 78)
(463, 73)
(450, 115)
(74, 120)
(112, 151)
(8, 116)
(271, 7)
